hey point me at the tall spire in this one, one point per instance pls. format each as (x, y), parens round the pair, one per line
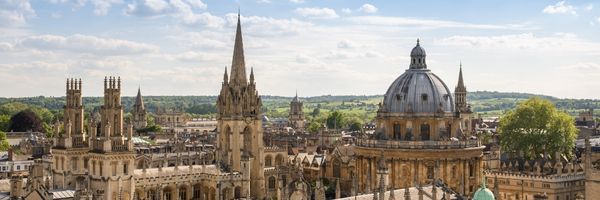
(461, 84)
(238, 65)
(225, 78)
(139, 102)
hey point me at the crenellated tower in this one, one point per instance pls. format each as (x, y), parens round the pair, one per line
(296, 115)
(71, 142)
(239, 121)
(112, 156)
(139, 112)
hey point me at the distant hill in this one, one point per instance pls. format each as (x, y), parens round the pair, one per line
(485, 102)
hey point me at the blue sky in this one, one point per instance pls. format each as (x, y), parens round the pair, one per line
(181, 47)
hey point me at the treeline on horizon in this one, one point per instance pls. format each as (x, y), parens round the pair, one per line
(486, 102)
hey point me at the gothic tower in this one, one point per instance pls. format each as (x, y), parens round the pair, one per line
(139, 112)
(460, 93)
(112, 156)
(296, 115)
(461, 105)
(239, 121)
(71, 142)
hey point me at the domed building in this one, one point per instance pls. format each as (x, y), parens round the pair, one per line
(423, 133)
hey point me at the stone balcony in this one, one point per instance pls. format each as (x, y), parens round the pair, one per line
(398, 144)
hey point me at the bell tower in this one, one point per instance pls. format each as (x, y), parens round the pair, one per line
(239, 121)
(111, 158)
(71, 143)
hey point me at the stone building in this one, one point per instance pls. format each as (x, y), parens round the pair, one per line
(296, 115)
(592, 171)
(138, 113)
(422, 135)
(102, 162)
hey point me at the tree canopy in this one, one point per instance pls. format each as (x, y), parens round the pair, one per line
(4, 146)
(535, 127)
(25, 120)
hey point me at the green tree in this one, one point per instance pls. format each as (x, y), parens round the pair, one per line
(536, 127)
(335, 120)
(3, 142)
(25, 120)
(313, 127)
(4, 121)
(355, 124)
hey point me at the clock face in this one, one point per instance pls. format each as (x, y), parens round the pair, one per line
(248, 120)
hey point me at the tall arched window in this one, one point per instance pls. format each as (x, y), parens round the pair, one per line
(268, 161)
(337, 168)
(424, 131)
(397, 134)
(271, 183)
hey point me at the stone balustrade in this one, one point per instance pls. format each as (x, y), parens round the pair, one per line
(397, 144)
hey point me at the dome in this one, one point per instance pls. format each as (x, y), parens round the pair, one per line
(483, 194)
(418, 51)
(418, 90)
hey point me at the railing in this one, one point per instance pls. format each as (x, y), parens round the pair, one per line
(119, 146)
(392, 144)
(78, 142)
(60, 142)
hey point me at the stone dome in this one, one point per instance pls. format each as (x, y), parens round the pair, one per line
(418, 90)
(418, 50)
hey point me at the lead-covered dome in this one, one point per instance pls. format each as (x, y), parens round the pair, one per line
(418, 90)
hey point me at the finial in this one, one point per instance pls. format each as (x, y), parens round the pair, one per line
(238, 11)
(418, 42)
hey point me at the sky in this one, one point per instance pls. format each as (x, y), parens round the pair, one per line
(315, 47)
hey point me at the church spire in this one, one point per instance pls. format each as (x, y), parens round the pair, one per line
(461, 84)
(238, 65)
(139, 102)
(225, 78)
(251, 75)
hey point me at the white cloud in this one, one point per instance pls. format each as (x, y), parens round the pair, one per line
(589, 7)
(86, 44)
(5, 46)
(192, 56)
(346, 10)
(598, 19)
(559, 42)
(197, 4)
(263, 1)
(14, 13)
(268, 26)
(345, 44)
(101, 7)
(585, 67)
(324, 13)
(297, 1)
(368, 8)
(179, 9)
(560, 8)
(426, 23)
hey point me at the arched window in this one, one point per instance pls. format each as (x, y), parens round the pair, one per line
(397, 134)
(424, 131)
(337, 169)
(430, 172)
(271, 183)
(268, 161)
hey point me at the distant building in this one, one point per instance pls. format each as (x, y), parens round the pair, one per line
(138, 113)
(296, 115)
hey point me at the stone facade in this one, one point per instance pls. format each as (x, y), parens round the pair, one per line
(102, 162)
(422, 135)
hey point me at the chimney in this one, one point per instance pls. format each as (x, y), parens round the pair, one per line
(10, 154)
